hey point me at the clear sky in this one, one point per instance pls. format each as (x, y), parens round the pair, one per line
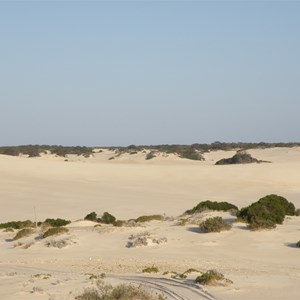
(149, 72)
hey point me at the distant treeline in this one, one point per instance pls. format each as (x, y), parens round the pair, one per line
(186, 151)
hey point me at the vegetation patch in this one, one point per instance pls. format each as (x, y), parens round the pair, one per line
(149, 218)
(57, 222)
(267, 212)
(54, 231)
(119, 292)
(91, 217)
(215, 224)
(212, 205)
(23, 233)
(241, 157)
(212, 277)
(152, 269)
(17, 224)
(298, 244)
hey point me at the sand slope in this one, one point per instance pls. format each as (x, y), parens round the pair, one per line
(262, 265)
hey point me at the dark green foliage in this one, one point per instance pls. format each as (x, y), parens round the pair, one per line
(267, 212)
(215, 224)
(35, 150)
(91, 217)
(210, 277)
(55, 231)
(149, 218)
(17, 224)
(57, 222)
(211, 205)
(107, 218)
(241, 157)
(298, 244)
(191, 153)
(152, 269)
(23, 233)
(150, 155)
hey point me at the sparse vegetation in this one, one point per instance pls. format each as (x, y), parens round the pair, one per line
(107, 218)
(54, 231)
(119, 292)
(267, 212)
(241, 157)
(215, 224)
(17, 224)
(298, 244)
(91, 217)
(211, 277)
(149, 218)
(57, 222)
(152, 269)
(150, 155)
(23, 233)
(212, 205)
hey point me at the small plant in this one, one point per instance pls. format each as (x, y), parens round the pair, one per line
(119, 223)
(17, 224)
(57, 222)
(8, 229)
(152, 269)
(107, 218)
(212, 205)
(149, 218)
(42, 276)
(96, 277)
(91, 217)
(55, 231)
(23, 233)
(216, 224)
(210, 277)
(298, 244)
(150, 155)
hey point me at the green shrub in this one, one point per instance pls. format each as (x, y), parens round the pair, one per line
(216, 224)
(17, 224)
(152, 269)
(55, 231)
(150, 218)
(23, 233)
(212, 205)
(91, 217)
(298, 244)
(107, 218)
(8, 229)
(267, 212)
(210, 277)
(57, 222)
(150, 155)
(241, 157)
(119, 223)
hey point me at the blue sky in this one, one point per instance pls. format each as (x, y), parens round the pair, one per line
(129, 72)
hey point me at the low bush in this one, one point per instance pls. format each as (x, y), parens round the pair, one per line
(152, 269)
(298, 244)
(216, 224)
(267, 212)
(150, 155)
(119, 292)
(91, 217)
(57, 222)
(54, 231)
(212, 205)
(17, 224)
(107, 218)
(211, 277)
(149, 218)
(23, 233)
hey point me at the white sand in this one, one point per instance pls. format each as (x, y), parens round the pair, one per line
(262, 265)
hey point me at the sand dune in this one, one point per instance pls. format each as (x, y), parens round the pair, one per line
(262, 265)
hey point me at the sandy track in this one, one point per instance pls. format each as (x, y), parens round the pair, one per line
(172, 288)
